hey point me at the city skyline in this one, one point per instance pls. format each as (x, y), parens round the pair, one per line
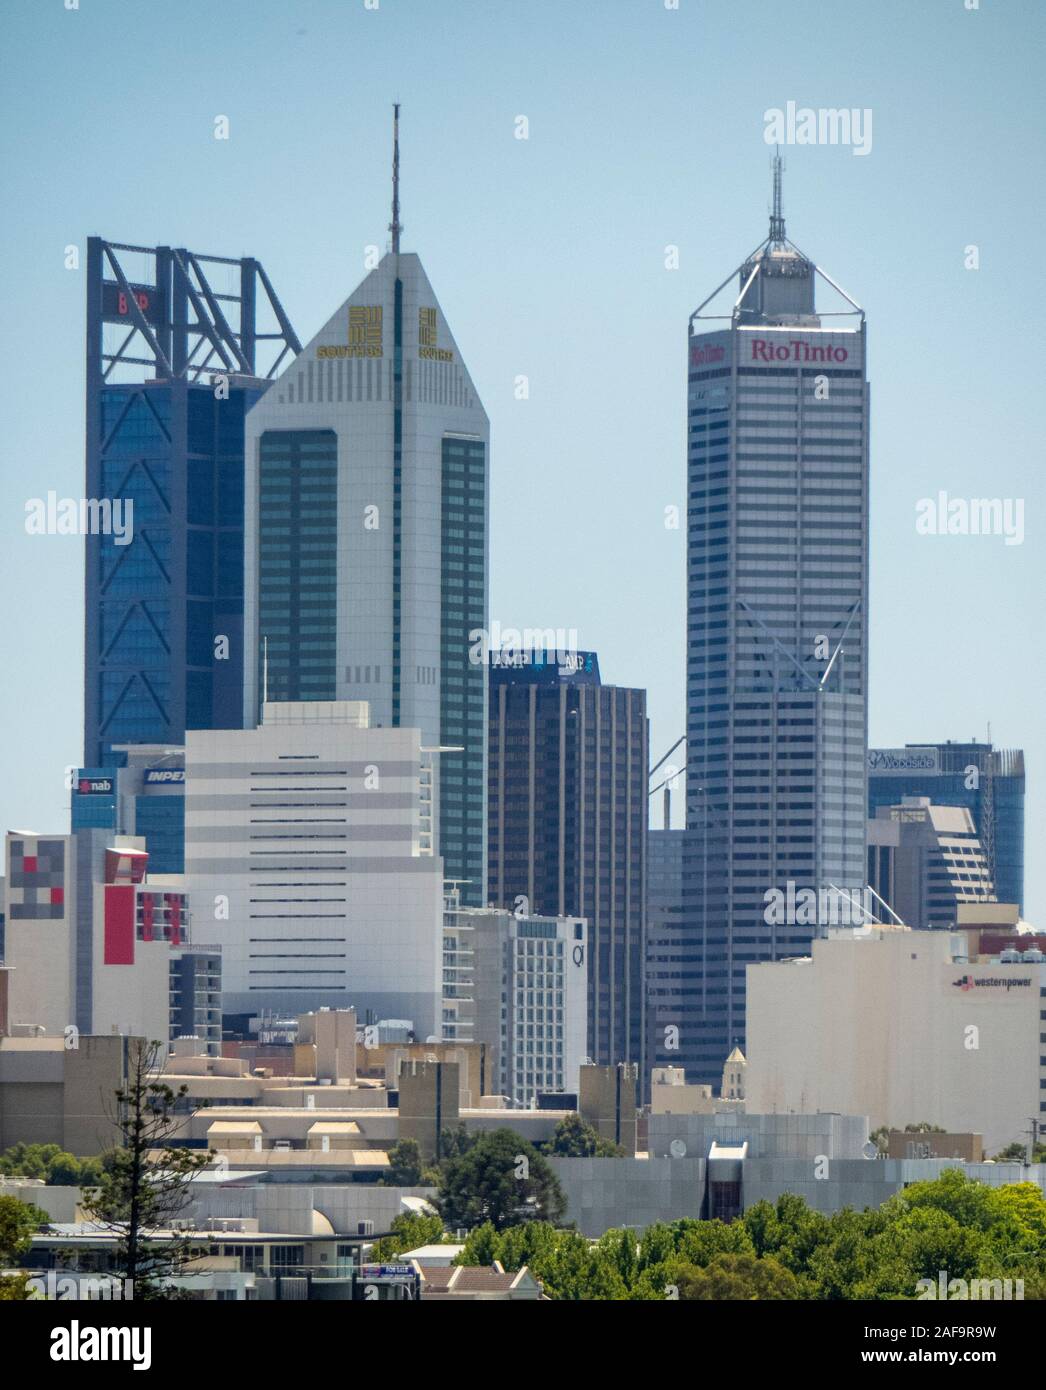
(926, 682)
(493, 808)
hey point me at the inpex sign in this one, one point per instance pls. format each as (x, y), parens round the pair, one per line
(159, 776)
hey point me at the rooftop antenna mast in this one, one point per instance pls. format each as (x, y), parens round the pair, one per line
(394, 226)
(777, 222)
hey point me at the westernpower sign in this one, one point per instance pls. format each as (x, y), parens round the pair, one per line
(994, 982)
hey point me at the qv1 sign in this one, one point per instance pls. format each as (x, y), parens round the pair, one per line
(164, 776)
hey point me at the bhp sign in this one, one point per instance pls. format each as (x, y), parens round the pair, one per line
(796, 350)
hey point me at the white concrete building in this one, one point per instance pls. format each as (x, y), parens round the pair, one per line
(900, 1026)
(366, 537)
(308, 845)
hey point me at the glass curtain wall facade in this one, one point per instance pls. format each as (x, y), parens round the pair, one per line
(297, 563)
(462, 809)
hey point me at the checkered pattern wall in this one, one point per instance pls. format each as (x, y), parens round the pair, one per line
(36, 886)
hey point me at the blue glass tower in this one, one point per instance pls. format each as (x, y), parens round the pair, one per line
(988, 781)
(171, 373)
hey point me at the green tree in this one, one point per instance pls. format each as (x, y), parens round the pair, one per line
(18, 1221)
(575, 1271)
(574, 1137)
(881, 1138)
(406, 1168)
(699, 1242)
(144, 1185)
(787, 1229)
(620, 1248)
(453, 1143)
(51, 1163)
(657, 1244)
(530, 1243)
(736, 1277)
(482, 1246)
(1012, 1153)
(409, 1230)
(654, 1281)
(501, 1178)
(917, 1245)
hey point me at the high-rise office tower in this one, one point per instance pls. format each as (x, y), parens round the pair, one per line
(988, 781)
(926, 860)
(144, 797)
(366, 550)
(568, 823)
(777, 621)
(179, 345)
(670, 951)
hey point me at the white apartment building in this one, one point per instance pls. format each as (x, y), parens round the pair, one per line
(518, 984)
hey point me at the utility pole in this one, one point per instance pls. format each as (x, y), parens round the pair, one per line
(1033, 1139)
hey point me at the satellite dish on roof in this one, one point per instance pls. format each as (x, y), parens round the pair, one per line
(871, 1149)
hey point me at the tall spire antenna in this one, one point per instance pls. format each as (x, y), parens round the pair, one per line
(777, 222)
(394, 226)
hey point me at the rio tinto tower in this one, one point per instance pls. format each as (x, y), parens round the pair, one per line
(777, 645)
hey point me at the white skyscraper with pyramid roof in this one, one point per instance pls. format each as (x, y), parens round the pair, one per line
(366, 522)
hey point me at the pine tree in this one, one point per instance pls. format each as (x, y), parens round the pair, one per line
(145, 1183)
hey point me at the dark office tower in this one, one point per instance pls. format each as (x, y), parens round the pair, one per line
(567, 827)
(177, 352)
(670, 964)
(988, 781)
(777, 621)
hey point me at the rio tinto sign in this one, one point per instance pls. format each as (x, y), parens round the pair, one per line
(707, 355)
(795, 350)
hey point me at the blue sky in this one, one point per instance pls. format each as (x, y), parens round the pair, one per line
(645, 130)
